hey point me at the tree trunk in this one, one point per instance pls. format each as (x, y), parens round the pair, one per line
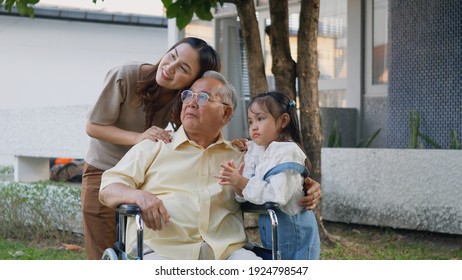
(286, 70)
(283, 67)
(253, 47)
(308, 74)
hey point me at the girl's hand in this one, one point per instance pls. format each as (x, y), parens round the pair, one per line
(230, 175)
(155, 134)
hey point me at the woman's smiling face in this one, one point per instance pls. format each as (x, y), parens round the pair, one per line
(179, 67)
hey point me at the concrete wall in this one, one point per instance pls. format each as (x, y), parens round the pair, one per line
(45, 131)
(31, 136)
(345, 119)
(374, 117)
(398, 188)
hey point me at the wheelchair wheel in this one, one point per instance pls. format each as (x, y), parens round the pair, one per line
(109, 255)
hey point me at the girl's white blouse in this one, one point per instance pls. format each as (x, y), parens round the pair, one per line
(285, 188)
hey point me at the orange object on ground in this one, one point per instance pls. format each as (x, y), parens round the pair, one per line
(63, 160)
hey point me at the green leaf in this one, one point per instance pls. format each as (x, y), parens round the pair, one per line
(183, 20)
(9, 5)
(369, 141)
(335, 139)
(184, 10)
(32, 2)
(173, 10)
(455, 144)
(166, 3)
(30, 12)
(203, 12)
(414, 129)
(429, 140)
(22, 7)
(332, 135)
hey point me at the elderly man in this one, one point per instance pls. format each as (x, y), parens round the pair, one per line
(190, 214)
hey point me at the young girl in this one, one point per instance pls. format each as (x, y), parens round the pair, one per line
(275, 132)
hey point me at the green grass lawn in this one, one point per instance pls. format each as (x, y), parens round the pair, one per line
(374, 243)
(353, 242)
(32, 250)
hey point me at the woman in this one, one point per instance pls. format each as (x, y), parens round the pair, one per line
(137, 102)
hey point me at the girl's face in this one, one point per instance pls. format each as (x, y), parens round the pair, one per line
(178, 68)
(263, 127)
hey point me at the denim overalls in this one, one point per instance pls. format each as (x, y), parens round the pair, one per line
(298, 234)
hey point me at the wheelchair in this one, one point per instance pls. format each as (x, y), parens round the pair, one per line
(118, 250)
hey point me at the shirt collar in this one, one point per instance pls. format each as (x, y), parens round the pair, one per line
(179, 137)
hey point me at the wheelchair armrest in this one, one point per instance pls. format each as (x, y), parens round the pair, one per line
(258, 208)
(122, 212)
(128, 209)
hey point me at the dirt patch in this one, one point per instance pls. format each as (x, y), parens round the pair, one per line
(381, 234)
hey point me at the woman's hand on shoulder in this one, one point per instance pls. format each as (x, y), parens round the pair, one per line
(155, 134)
(312, 196)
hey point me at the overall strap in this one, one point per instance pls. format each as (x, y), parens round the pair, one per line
(286, 166)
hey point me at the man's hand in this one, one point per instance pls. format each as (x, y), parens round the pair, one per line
(241, 144)
(153, 211)
(313, 194)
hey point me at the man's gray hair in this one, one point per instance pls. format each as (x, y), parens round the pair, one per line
(227, 90)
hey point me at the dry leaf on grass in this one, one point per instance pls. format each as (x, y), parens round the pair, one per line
(72, 247)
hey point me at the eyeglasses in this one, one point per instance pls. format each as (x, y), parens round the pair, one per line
(202, 98)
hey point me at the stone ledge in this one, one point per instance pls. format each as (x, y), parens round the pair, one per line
(398, 188)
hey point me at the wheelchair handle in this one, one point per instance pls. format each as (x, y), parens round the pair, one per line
(128, 209)
(124, 211)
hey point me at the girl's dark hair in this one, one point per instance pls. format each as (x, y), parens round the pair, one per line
(148, 90)
(277, 103)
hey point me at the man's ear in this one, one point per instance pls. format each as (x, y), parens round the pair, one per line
(228, 113)
(285, 119)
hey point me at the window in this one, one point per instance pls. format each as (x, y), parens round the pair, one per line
(380, 42)
(200, 29)
(332, 44)
(332, 98)
(332, 41)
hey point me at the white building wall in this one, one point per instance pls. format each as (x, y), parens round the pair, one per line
(48, 62)
(53, 70)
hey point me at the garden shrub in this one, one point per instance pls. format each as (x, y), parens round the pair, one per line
(39, 210)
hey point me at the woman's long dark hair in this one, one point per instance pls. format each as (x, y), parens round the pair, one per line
(277, 103)
(148, 90)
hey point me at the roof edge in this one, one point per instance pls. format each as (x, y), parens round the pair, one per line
(92, 16)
